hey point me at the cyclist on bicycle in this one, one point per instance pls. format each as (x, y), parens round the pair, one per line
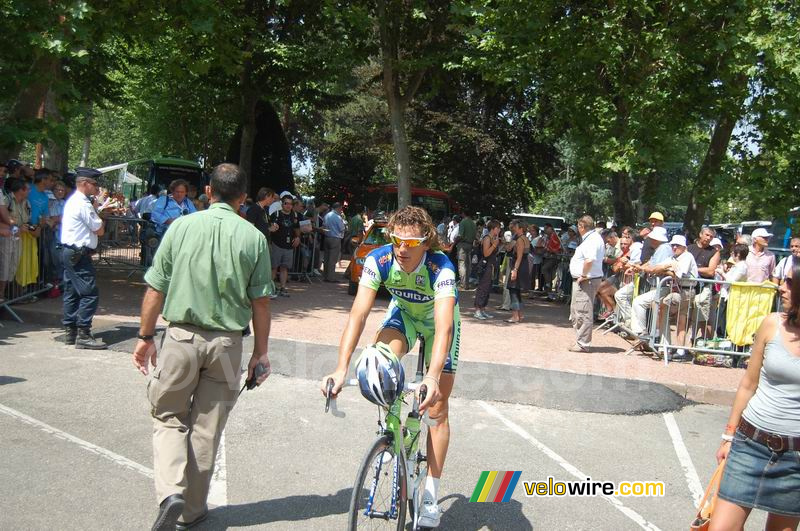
(421, 280)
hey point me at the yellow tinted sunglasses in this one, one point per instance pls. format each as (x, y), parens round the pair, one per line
(409, 242)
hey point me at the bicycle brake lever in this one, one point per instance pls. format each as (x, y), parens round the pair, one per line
(330, 401)
(328, 394)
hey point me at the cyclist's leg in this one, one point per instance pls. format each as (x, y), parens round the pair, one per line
(397, 331)
(439, 439)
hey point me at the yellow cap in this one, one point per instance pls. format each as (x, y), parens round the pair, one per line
(657, 215)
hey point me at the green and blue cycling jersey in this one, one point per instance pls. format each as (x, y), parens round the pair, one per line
(413, 296)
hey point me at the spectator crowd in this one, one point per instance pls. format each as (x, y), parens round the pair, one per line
(607, 273)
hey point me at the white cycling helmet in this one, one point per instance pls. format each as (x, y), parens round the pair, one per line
(381, 377)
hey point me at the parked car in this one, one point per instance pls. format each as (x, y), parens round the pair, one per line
(374, 238)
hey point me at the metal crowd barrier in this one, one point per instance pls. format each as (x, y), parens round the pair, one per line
(38, 270)
(303, 262)
(128, 244)
(693, 316)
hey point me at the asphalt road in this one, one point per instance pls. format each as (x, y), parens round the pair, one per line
(75, 445)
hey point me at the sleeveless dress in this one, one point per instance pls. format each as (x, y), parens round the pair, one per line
(523, 281)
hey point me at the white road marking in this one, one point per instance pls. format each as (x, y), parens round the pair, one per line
(218, 491)
(93, 448)
(546, 450)
(692, 479)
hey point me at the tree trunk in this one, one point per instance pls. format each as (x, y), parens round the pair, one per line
(703, 190)
(87, 136)
(388, 25)
(624, 213)
(56, 149)
(648, 192)
(398, 123)
(30, 98)
(249, 100)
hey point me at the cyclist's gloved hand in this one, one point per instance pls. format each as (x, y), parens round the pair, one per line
(433, 395)
(338, 382)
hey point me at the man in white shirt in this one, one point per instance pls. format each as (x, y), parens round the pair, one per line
(683, 270)
(586, 269)
(144, 206)
(658, 265)
(80, 227)
(760, 260)
(785, 265)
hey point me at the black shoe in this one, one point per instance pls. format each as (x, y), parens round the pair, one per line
(180, 526)
(70, 333)
(86, 340)
(168, 513)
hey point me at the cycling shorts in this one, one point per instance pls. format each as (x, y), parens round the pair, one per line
(399, 320)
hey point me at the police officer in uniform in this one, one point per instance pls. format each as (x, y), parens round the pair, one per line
(80, 227)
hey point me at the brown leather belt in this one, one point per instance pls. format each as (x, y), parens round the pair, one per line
(773, 441)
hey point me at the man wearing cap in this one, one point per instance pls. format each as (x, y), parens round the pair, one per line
(785, 265)
(656, 219)
(334, 232)
(195, 381)
(276, 203)
(658, 265)
(586, 268)
(683, 269)
(284, 226)
(760, 261)
(80, 227)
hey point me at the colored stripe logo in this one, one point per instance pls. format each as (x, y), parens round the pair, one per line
(494, 486)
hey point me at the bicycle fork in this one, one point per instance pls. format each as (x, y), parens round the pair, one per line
(392, 512)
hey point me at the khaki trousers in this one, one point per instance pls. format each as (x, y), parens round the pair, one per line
(581, 309)
(192, 390)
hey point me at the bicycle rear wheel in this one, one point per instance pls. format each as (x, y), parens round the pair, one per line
(378, 468)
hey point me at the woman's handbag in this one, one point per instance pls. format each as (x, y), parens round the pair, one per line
(702, 521)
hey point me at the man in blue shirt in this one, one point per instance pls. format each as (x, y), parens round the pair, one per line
(334, 232)
(169, 208)
(40, 206)
(657, 266)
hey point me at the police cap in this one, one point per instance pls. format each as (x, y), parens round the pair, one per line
(87, 174)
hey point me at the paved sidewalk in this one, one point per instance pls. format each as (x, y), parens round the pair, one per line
(316, 313)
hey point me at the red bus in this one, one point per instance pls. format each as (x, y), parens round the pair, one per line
(438, 204)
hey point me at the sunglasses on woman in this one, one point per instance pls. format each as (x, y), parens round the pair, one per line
(409, 242)
(788, 282)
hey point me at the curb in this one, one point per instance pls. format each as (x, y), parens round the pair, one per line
(692, 392)
(702, 394)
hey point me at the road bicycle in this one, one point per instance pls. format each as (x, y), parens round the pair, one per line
(392, 475)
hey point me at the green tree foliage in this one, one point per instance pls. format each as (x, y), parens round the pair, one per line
(626, 81)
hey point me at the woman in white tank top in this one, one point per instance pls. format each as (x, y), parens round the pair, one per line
(762, 439)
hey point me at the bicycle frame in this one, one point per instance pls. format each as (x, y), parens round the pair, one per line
(392, 427)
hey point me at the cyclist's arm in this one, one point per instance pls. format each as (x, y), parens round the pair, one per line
(362, 305)
(365, 297)
(443, 310)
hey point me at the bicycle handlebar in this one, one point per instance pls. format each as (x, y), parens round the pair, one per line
(330, 400)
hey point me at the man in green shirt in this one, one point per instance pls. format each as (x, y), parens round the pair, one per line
(211, 273)
(464, 241)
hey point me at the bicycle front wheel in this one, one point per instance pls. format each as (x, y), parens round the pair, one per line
(379, 494)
